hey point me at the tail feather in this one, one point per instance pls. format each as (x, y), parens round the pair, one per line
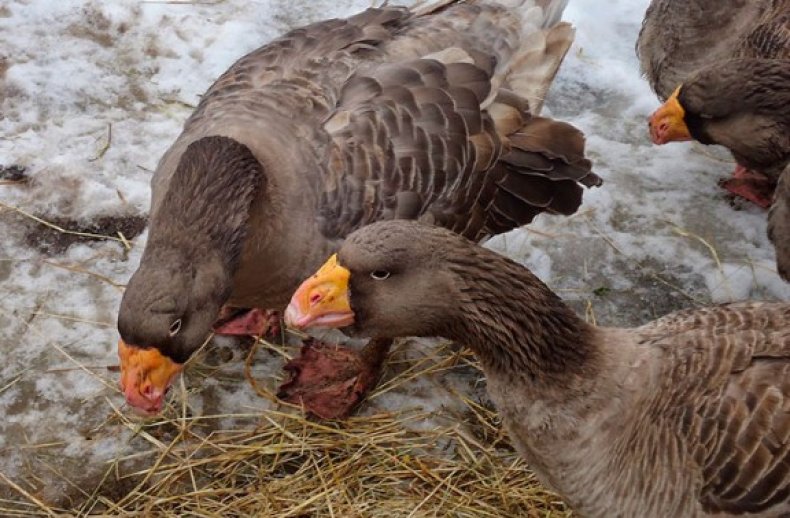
(537, 62)
(543, 172)
(525, 39)
(501, 62)
(545, 169)
(552, 11)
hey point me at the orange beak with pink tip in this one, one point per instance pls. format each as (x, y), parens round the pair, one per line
(322, 300)
(667, 124)
(145, 376)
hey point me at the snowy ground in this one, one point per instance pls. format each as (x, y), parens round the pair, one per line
(93, 92)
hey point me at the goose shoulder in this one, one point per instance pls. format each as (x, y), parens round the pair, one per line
(723, 392)
(703, 394)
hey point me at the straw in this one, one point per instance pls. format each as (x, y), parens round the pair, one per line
(280, 463)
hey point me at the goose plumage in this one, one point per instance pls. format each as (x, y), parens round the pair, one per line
(723, 68)
(427, 113)
(688, 415)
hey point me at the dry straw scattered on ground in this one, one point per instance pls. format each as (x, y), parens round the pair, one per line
(283, 464)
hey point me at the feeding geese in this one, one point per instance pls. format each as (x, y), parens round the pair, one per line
(723, 68)
(688, 415)
(427, 113)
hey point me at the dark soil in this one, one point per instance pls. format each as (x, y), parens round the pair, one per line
(13, 173)
(52, 242)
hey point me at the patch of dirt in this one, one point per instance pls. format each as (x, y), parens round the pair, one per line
(5, 269)
(52, 242)
(94, 26)
(60, 494)
(114, 487)
(12, 173)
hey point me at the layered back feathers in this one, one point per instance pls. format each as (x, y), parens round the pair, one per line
(451, 137)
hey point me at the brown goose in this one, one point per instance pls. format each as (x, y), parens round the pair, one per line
(779, 224)
(686, 416)
(393, 113)
(723, 67)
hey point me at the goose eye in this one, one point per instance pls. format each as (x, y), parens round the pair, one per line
(379, 275)
(175, 327)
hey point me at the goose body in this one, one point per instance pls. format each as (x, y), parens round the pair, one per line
(426, 114)
(688, 415)
(723, 67)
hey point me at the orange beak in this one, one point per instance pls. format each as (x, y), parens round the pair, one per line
(145, 376)
(322, 300)
(667, 123)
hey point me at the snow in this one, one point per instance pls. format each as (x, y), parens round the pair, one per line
(659, 235)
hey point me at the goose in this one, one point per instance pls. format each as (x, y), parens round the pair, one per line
(688, 415)
(723, 68)
(779, 224)
(428, 113)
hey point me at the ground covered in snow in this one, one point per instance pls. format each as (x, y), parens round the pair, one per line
(92, 93)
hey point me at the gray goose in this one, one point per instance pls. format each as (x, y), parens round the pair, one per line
(427, 113)
(686, 416)
(723, 67)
